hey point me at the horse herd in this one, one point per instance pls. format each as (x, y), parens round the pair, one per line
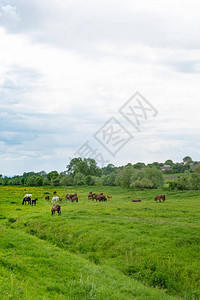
(74, 197)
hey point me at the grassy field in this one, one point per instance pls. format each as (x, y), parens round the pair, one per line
(173, 177)
(108, 250)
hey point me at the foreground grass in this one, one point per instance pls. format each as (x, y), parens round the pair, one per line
(97, 250)
(35, 269)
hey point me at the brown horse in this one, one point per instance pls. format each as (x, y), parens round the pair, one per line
(159, 198)
(47, 198)
(90, 195)
(100, 198)
(70, 196)
(34, 201)
(136, 200)
(56, 208)
(74, 198)
(26, 199)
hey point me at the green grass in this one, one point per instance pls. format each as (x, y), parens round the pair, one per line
(174, 176)
(107, 250)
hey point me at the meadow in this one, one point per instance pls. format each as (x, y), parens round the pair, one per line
(100, 250)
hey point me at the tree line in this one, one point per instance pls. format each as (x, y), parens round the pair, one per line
(137, 176)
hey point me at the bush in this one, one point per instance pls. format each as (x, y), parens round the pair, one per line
(79, 179)
(89, 180)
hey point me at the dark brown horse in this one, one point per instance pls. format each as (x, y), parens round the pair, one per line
(100, 198)
(26, 199)
(70, 196)
(136, 200)
(90, 195)
(56, 208)
(47, 198)
(159, 198)
(74, 198)
(34, 201)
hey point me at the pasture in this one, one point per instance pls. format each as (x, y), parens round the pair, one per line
(116, 249)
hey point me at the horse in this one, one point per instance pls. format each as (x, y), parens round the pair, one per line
(47, 198)
(109, 197)
(159, 198)
(56, 208)
(54, 192)
(136, 200)
(74, 198)
(90, 195)
(34, 201)
(26, 199)
(70, 196)
(55, 199)
(100, 198)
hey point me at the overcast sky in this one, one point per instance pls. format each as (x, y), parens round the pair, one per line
(68, 68)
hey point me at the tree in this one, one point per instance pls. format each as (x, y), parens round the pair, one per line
(195, 181)
(155, 176)
(125, 176)
(139, 165)
(147, 178)
(142, 183)
(74, 165)
(86, 166)
(22, 181)
(31, 180)
(39, 181)
(52, 175)
(183, 183)
(169, 162)
(55, 181)
(46, 181)
(66, 180)
(197, 168)
(187, 159)
(79, 179)
(108, 169)
(5, 180)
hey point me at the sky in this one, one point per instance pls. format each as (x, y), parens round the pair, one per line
(117, 81)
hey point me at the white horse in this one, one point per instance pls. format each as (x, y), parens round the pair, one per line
(28, 195)
(55, 199)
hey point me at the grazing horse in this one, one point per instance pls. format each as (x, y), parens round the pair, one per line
(55, 199)
(159, 198)
(47, 198)
(56, 208)
(74, 198)
(54, 192)
(100, 198)
(34, 201)
(136, 200)
(70, 196)
(109, 197)
(90, 195)
(26, 199)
